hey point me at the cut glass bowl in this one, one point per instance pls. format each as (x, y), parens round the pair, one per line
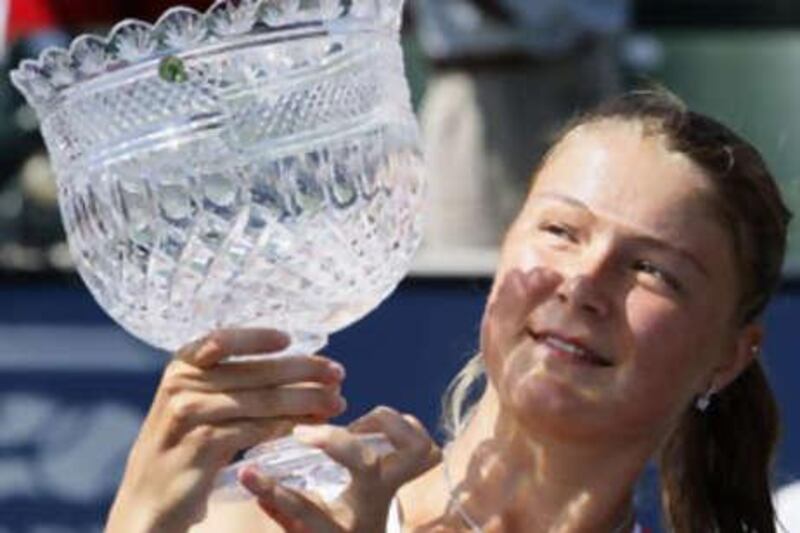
(256, 165)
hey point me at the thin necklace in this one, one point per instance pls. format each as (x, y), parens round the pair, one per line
(626, 524)
(453, 500)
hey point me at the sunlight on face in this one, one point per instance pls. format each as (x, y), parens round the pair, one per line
(643, 313)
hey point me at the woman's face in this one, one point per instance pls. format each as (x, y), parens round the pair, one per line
(641, 317)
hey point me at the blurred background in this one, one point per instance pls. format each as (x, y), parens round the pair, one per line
(492, 80)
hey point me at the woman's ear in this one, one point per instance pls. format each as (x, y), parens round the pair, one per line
(746, 348)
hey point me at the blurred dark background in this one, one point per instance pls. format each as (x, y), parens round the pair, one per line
(717, 13)
(74, 386)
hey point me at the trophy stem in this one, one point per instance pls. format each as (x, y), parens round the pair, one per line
(295, 465)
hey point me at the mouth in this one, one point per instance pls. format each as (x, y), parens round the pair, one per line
(572, 349)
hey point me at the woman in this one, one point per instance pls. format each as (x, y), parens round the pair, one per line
(623, 325)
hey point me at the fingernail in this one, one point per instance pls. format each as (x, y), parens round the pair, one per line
(309, 434)
(339, 405)
(252, 481)
(338, 370)
(284, 337)
(208, 351)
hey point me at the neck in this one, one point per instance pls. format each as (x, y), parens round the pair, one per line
(507, 479)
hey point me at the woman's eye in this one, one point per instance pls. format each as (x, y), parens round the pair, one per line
(561, 231)
(662, 275)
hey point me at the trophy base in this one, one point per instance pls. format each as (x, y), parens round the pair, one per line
(294, 465)
(301, 343)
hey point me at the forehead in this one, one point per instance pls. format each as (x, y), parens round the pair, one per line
(632, 178)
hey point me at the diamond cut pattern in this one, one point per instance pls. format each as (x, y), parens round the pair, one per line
(295, 209)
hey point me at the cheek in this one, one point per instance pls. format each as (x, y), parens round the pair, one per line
(499, 349)
(669, 349)
(527, 390)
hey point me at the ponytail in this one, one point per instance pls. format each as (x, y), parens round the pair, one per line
(715, 465)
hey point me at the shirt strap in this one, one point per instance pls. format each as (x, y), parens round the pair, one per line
(393, 524)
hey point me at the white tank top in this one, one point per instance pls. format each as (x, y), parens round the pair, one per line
(393, 524)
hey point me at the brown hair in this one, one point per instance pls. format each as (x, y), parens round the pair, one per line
(715, 465)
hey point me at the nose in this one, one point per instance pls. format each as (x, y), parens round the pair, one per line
(583, 293)
(588, 281)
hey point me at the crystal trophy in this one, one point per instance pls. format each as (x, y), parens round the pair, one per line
(256, 165)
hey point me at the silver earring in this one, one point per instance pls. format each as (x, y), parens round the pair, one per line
(704, 400)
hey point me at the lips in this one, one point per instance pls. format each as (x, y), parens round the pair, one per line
(573, 348)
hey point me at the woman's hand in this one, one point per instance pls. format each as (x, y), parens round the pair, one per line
(364, 506)
(205, 412)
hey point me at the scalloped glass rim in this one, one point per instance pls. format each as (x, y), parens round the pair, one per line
(133, 41)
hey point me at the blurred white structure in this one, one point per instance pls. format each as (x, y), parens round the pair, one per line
(787, 506)
(5, 8)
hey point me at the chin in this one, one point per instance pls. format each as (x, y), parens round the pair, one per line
(551, 406)
(549, 392)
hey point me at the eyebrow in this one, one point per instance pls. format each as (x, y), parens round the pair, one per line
(564, 198)
(647, 240)
(654, 242)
